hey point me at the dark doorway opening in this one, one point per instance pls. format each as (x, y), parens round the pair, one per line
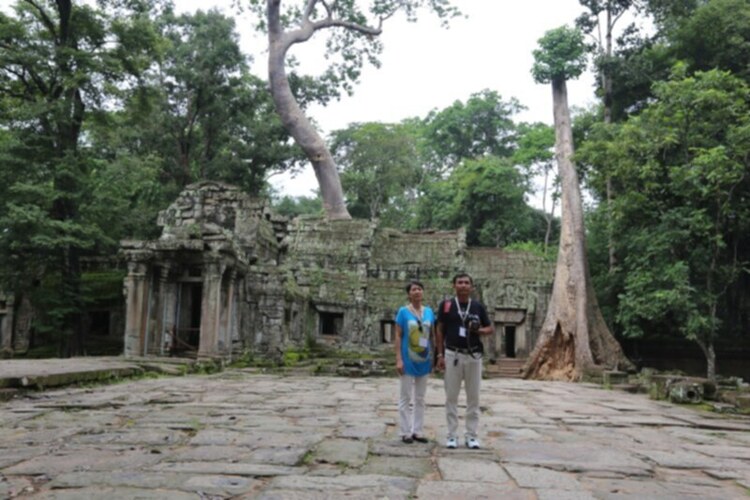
(187, 338)
(331, 323)
(510, 341)
(99, 323)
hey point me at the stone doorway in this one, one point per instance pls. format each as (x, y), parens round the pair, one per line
(188, 324)
(331, 323)
(509, 341)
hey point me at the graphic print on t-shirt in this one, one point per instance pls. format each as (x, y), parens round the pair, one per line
(419, 339)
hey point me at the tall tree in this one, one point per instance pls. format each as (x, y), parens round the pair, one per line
(381, 171)
(202, 112)
(535, 155)
(599, 22)
(486, 196)
(353, 35)
(481, 126)
(574, 339)
(684, 214)
(60, 62)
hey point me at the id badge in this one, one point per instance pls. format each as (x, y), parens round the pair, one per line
(423, 342)
(461, 331)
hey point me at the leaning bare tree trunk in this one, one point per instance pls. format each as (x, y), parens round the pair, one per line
(292, 117)
(574, 339)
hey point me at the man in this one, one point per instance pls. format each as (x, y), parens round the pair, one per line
(460, 323)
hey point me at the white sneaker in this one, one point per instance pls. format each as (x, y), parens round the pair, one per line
(452, 443)
(472, 443)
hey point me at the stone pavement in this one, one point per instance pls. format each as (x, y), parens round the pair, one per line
(239, 434)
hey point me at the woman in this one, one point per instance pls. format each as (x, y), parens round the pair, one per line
(413, 347)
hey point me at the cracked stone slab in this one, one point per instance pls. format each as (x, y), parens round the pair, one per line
(363, 431)
(723, 451)
(140, 437)
(638, 489)
(277, 456)
(216, 484)
(680, 459)
(450, 490)
(398, 449)
(574, 457)
(76, 460)
(398, 466)
(357, 486)
(351, 452)
(223, 437)
(206, 453)
(554, 494)
(471, 470)
(112, 493)
(233, 469)
(12, 456)
(539, 477)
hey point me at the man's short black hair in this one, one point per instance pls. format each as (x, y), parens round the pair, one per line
(412, 283)
(462, 275)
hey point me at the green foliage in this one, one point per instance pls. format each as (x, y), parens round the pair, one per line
(682, 214)
(102, 286)
(64, 67)
(716, 35)
(561, 56)
(487, 197)
(291, 358)
(380, 170)
(293, 206)
(482, 126)
(199, 112)
(534, 248)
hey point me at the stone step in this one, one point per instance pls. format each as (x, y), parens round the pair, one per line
(505, 368)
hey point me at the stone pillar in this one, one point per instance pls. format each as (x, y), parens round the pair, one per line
(522, 349)
(229, 315)
(158, 334)
(210, 309)
(169, 315)
(135, 307)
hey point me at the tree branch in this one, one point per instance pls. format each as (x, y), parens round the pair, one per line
(337, 23)
(43, 17)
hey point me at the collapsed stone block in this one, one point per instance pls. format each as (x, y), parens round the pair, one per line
(686, 392)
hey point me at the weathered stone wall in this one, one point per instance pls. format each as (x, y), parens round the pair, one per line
(513, 281)
(432, 257)
(326, 266)
(268, 281)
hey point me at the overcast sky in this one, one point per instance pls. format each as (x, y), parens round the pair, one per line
(427, 67)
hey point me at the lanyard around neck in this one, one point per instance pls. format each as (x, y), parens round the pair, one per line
(419, 315)
(463, 314)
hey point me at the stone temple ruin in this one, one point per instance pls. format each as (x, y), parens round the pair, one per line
(228, 275)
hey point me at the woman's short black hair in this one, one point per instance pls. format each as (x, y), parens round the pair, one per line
(412, 283)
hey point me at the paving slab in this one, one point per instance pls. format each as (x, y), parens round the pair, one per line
(241, 434)
(57, 372)
(398, 466)
(450, 490)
